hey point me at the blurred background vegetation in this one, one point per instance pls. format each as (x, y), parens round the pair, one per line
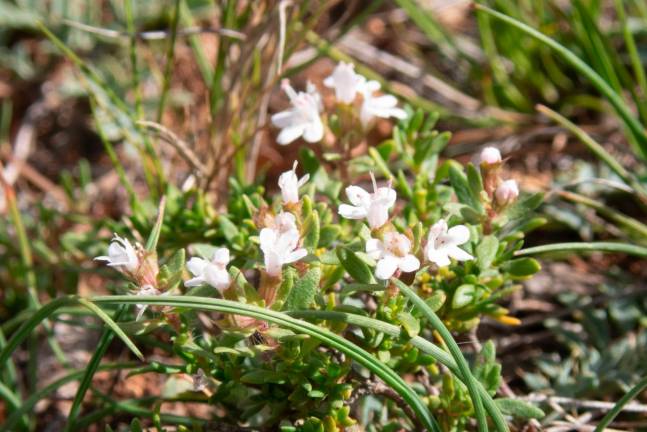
(108, 104)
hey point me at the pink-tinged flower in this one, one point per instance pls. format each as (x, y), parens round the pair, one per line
(372, 206)
(345, 81)
(302, 119)
(384, 106)
(289, 184)
(280, 244)
(212, 272)
(442, 243)
(391, 254)
(121, 255)
(506, 192)
(490, 156)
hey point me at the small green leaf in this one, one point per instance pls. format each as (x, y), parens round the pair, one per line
(260, 376)
(463, 296)
(486, 252)
(355, 267)
(436, 300)
(328, 234)
(475, 181)
(289, 274)
(311, 229)
(305, 288)
(519, 409)
(170, 274)
(228, 228)
(316, 394)
(522, 267)
(462, 188)
(410, 324)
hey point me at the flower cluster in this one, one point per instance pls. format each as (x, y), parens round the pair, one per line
(303, 118)
(392, 250)
(501, 192)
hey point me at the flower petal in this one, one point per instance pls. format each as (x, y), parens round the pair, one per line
(386, 267)
(295, 256)
(290, 134)
(458, 253)
(268, 239)
(272, 263)
(358, 196)
(196, 266)
(285, 119)
(194, 282)
(351, 212)
(313, 131)
(221, 256)
(458, 235)
(374, 248)
(438, 257)
(217, 278)
(409, 263)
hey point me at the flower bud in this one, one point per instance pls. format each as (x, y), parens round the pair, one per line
(490, 156)
(506, 193)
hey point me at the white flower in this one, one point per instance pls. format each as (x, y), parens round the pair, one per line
(284, 222)
(302, 120)
(372, 206)
(290, 184)
(490, 156)
(345, 82)
(442, 243)
(121, 255)
(146, 290)
(280, 244)
(199, 381)
(384, 106)
(507, 192)
(392, 254)
(212, 272)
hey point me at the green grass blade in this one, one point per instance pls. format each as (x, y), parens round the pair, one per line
(621, 108)
(13, 402)
(91, 369)
(629, 249)
(27, 261)
(634, 56)
(34, 398)
(633, 227)
(327, 337)
(470, 382)
(153, 238)
(608, 418)
(419, 342)
(139, 105)
(595, 148)
(28, 326)
(170, 57)
(113, 326)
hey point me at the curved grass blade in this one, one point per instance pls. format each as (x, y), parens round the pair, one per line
(29, 403)
(113, 326)
(329, 338)
(621, 108)
(608, 418)
(419, 342)
(91, 369)
(153, 238)
(470, 382)
(629, 249)
(12, 400)
(595, 148)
